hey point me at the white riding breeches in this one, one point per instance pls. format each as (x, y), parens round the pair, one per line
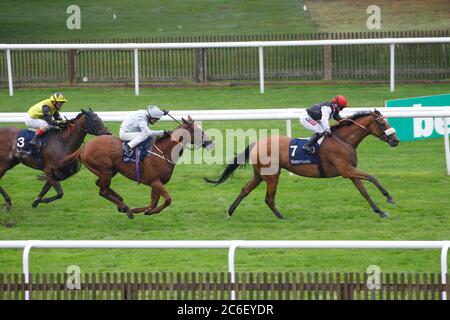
(133, 138)
(36, 123)
(312, 125)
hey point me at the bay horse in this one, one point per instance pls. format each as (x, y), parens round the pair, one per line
(60, 143)
(337, 153)
(103, 157)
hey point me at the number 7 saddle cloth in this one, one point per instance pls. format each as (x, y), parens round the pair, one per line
(297, 156)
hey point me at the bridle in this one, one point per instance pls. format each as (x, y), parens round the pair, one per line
(384, 136)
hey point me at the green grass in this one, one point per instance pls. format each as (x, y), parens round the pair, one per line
(46, 20)
(405, 15)
(315, 209)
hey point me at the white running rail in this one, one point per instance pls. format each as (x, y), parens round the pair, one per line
(287, 114)
(231, 245)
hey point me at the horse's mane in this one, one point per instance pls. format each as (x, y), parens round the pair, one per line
(347, 121)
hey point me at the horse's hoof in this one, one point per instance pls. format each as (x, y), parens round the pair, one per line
(123, 210)
(7, 206)
(130, 215)
(390, 200)
(384, 215)
(35, 203)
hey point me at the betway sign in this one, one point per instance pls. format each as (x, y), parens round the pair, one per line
(419, 128)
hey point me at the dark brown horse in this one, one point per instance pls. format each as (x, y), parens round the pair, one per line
(337, 153)
(60, 143)
(103, 157)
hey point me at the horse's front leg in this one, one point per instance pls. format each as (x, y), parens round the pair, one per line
(50, 183)
(356, 173)
(158, 187)
(154, 202)
(366, 196)
(382, 190)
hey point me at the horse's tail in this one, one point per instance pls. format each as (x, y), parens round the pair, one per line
(239, 160)
(70, 158)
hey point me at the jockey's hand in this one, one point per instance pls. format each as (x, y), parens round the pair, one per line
(167, 132)
(328, 131)
(60, 123)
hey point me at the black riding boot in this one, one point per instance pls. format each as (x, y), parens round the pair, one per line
(309, 145)
(36, 141)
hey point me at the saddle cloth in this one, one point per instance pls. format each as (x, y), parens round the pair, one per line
(139, 152)
(298, 156)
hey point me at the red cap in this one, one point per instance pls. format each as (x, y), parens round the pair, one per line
(340, 101)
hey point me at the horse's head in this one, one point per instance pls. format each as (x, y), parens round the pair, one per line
(197, 136)
(379, 127)
(93, 124)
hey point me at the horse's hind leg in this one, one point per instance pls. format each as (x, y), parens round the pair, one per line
(115, 194)
(252, 184)
(7, 205)
(104, 183)
(272, 183)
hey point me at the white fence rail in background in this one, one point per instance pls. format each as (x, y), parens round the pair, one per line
(271, 114)
(231, 245)
(198, 45)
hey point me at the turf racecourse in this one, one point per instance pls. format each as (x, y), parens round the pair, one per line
(414, 173)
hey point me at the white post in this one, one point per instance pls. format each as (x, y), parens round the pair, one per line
(447, 146)
(231, 254)
(25, 266)
(10, 81)
(392, 54)
(136, 72)
(261, 69)
(444, 253)
(289, 128)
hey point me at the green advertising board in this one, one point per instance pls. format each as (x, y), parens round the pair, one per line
(409, 129)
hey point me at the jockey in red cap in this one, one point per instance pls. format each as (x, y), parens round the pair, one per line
(317, 119)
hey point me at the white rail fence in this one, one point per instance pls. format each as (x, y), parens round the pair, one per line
(231, 245)
(198, 45)
(271, 114)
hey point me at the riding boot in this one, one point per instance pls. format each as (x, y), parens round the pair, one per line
(36, 141)
(126, 148)
(309, 145)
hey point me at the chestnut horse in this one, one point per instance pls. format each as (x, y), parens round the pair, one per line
(103, 157)
(60, 143)
(337, 153)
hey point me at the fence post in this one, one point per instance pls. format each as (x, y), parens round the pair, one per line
(261, 69)
(200, 72)
(136, 72)
(71, 54)
(327, 63)
(444, 266)
(10, 81)
(392, 68)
